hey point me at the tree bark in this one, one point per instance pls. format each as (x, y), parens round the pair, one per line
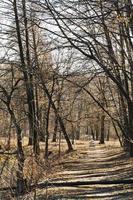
(97, 132)
(33, 138)
(47, 132)
(21, 182)
(102, 129)
(70, 148)
(130, 133)
(55, 129)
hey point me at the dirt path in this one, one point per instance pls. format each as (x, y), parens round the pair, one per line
(97, 163)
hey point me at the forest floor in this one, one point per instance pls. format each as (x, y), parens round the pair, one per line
(88, 163)
(98, 163)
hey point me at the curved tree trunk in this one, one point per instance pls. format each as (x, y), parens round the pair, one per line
(70, 148)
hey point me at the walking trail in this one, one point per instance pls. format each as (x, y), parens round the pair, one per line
(97, 163)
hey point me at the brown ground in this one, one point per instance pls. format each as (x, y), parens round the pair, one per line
(101, 162)
(87, 163)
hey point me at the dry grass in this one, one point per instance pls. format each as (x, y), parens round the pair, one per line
(101, 161)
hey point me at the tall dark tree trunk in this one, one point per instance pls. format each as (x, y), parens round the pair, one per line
(108, 131)
(33, 137)
(102, 129)
(40, 132)
(58, 108)
(21, 182)
(33, 131)
(130, 133)
(30, 89)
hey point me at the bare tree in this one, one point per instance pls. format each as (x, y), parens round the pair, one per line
(86, 26)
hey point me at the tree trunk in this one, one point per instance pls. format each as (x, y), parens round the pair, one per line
(102, 129)
(40, 74)
(33, 118)
(131, 149)
(97, 132)
(72, 133)
(21, 183)
(78, 133)
(70, 148)
(33, 139)
(92, 133)
(130, 132)
(47, 131)
(55, 129)
(108, 132)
